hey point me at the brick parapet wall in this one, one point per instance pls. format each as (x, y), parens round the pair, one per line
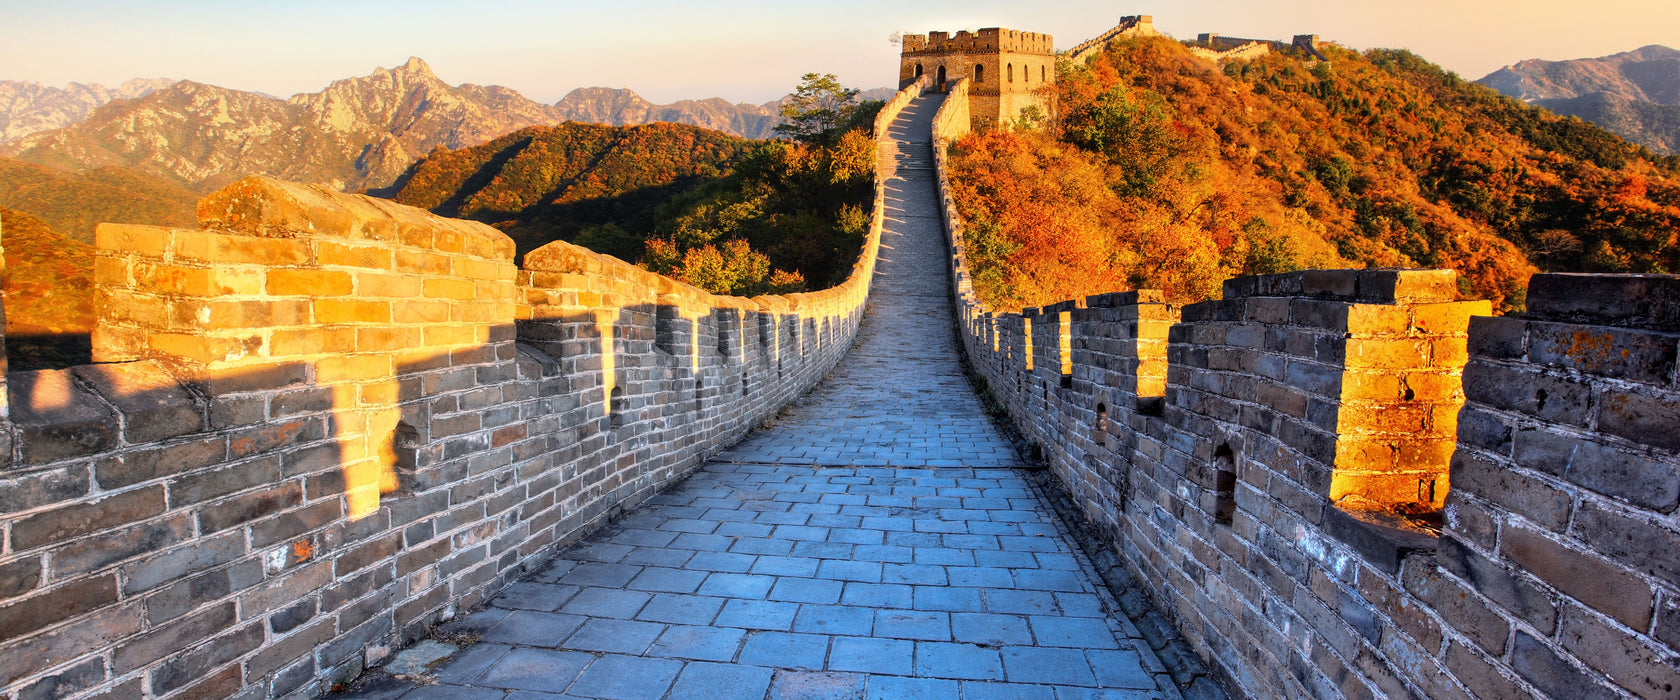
(1135, 25)
(326, 422)
(1254, 493)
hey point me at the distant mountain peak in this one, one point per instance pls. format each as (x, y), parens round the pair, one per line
(416, 69)
(1635, 94)
(28, 108)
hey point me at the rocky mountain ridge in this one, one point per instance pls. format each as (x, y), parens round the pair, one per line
(1634, 94)
(27, 108)
(358, 133)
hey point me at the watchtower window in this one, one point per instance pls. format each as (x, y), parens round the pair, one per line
(979, 74)
(1101, 434)
(1011, 72)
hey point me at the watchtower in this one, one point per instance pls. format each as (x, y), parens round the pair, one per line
(1005, 68)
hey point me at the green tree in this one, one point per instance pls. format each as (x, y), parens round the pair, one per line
(818, 109)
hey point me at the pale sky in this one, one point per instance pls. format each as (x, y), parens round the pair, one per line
(745, 51)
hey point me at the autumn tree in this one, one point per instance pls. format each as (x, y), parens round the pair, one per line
(818, 110)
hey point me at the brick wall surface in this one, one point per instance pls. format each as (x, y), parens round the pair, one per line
(1268, 464)
(324, 422)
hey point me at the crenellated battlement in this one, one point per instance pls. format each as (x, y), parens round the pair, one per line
(988, 40)
(1351, 483)
(323, 423)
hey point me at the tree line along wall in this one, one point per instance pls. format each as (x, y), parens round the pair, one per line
(325, 422)
(1268, 465)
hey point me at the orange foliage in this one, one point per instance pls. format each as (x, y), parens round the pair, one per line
(1376, 159)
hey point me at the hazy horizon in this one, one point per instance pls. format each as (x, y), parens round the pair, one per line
(750, 51)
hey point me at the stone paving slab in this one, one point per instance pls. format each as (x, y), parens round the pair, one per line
(872, 542)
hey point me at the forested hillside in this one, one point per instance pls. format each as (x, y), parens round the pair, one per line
(726, 214)
(74, 203)
(1159, 169)
(48, 288)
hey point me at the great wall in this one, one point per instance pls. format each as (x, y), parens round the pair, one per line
(324, 424)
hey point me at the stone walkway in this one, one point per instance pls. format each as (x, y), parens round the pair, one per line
(873, 543)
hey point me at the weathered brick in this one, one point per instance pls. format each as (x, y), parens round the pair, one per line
(355, 311)
(1318, 379)
(1498, 337)
(153, 405)
(368, 554)
(134, 467)
(67, 682)
(24, 615)
(78, 519)
(247, 507)
(97, 630)
(265, 438)
(289, 618)
(308, 400)
(297, 645)
(247, 378)
(236, 411)
(1482, 678)
(286, 588)
(222, 684)
(103, 549)
(1522, 598)
(1523, 494)
(181, 598)
(1534, 393)
(325, 283)
(292, 524)
(129, 690)
(1637, 478)
(353, 641)
(56, 418)
(1631, 662)
(20, 576)
(1643, 543)
(1459, 607)
(1484, 429)
(43, 488)
(181, 669)
(1551, 673)
(161, 641)
(1633, 301)
(1668, 622)
(1645, 419)
(205, 485)
(1639, 356)
(180, 562)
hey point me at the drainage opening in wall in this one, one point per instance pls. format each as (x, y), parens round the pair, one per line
(405, 459)
(1224, 485)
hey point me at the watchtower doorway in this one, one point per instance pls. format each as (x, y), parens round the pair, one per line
(939, 82)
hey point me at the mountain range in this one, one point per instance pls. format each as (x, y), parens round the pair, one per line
(27, 108)
(357, 134)
(1634, 94)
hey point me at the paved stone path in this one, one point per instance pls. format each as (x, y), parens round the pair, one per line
(873, 543)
